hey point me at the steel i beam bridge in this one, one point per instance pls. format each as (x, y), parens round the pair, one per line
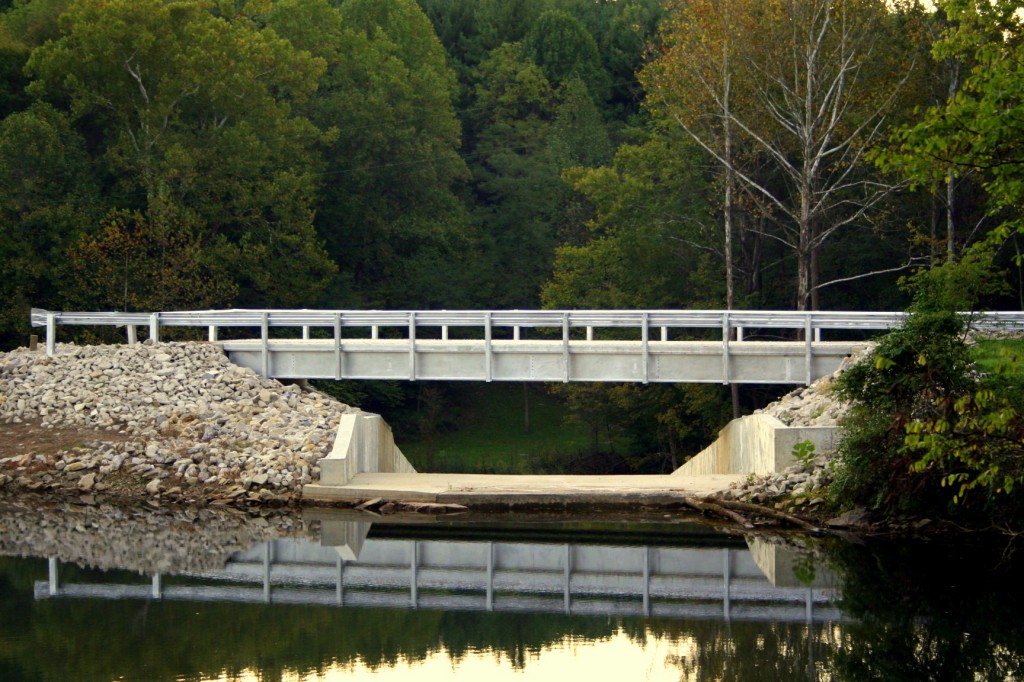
(692, 346)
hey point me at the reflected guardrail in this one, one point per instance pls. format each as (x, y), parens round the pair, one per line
(572, 579)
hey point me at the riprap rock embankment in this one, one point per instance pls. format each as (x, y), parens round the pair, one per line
(176, 420)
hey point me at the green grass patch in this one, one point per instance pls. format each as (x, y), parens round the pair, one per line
(989, 353)
(491, 436)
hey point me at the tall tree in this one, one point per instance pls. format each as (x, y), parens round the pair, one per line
(813, 68)
(388, 208)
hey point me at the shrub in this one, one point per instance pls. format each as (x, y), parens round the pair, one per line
(926, 428)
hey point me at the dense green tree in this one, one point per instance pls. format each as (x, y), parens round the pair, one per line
(139, 262)
(516, 178)
(192, 112)
(388, 208)
(33, 22)
(563, 48)
(47, 197)
(926, 426)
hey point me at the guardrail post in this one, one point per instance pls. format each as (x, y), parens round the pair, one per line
(444, 332)
(374, 332)
(808, 338)
(726, 333)
(490, 576)
(515, 333)
(154, 327)
(339, 370)
(413, 574)
(647, 582)
(567, 595)
(726, 583)
(489, 357)
(265, 344)
(739, 333)
(590, 333)
(305, 332)
(412, 346)
(565, 346)
(133, 336)
(211, 333)
(644, 338)
(664, 333)
(51, 333)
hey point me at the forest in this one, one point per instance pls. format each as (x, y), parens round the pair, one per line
(774, 154)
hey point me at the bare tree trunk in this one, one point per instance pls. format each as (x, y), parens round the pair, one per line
(954, 87)
(730, 287)
(950, 218)
(815, 271)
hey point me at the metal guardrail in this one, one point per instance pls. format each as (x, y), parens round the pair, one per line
(566, 319)
(732, 323)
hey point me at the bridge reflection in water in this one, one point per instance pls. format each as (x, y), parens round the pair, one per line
(726, 582)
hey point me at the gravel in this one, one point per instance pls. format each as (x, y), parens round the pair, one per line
(183, 422)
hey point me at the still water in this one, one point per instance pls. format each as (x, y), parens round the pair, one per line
(99, 593)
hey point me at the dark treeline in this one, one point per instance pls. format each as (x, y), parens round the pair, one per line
(160, 154)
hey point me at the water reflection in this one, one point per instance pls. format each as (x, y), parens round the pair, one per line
(573, 578)
(187, 595)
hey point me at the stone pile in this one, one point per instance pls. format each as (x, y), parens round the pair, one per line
(801, 485)
(145, 540)
(183, 422)
(814, 405)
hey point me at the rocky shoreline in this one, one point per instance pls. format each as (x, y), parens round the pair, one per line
(178, 422)
(172, 421)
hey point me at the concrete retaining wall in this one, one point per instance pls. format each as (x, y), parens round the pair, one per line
(757, 444)
(364, 444)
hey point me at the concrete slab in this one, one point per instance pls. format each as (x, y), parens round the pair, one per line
(520, 490)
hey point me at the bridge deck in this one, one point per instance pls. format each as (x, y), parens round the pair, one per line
(497, 490)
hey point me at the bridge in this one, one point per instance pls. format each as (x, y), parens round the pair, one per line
(646, 346)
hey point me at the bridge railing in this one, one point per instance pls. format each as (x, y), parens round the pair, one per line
(732, 323)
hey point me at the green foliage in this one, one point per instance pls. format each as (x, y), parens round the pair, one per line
(191, 111)
(483, 429)
(992, 355)
(388, 209)
(803, 452)
(564, 49)
(138, 264)
(47, 196)
(923, 419)
(979, 129)
(527, 130)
